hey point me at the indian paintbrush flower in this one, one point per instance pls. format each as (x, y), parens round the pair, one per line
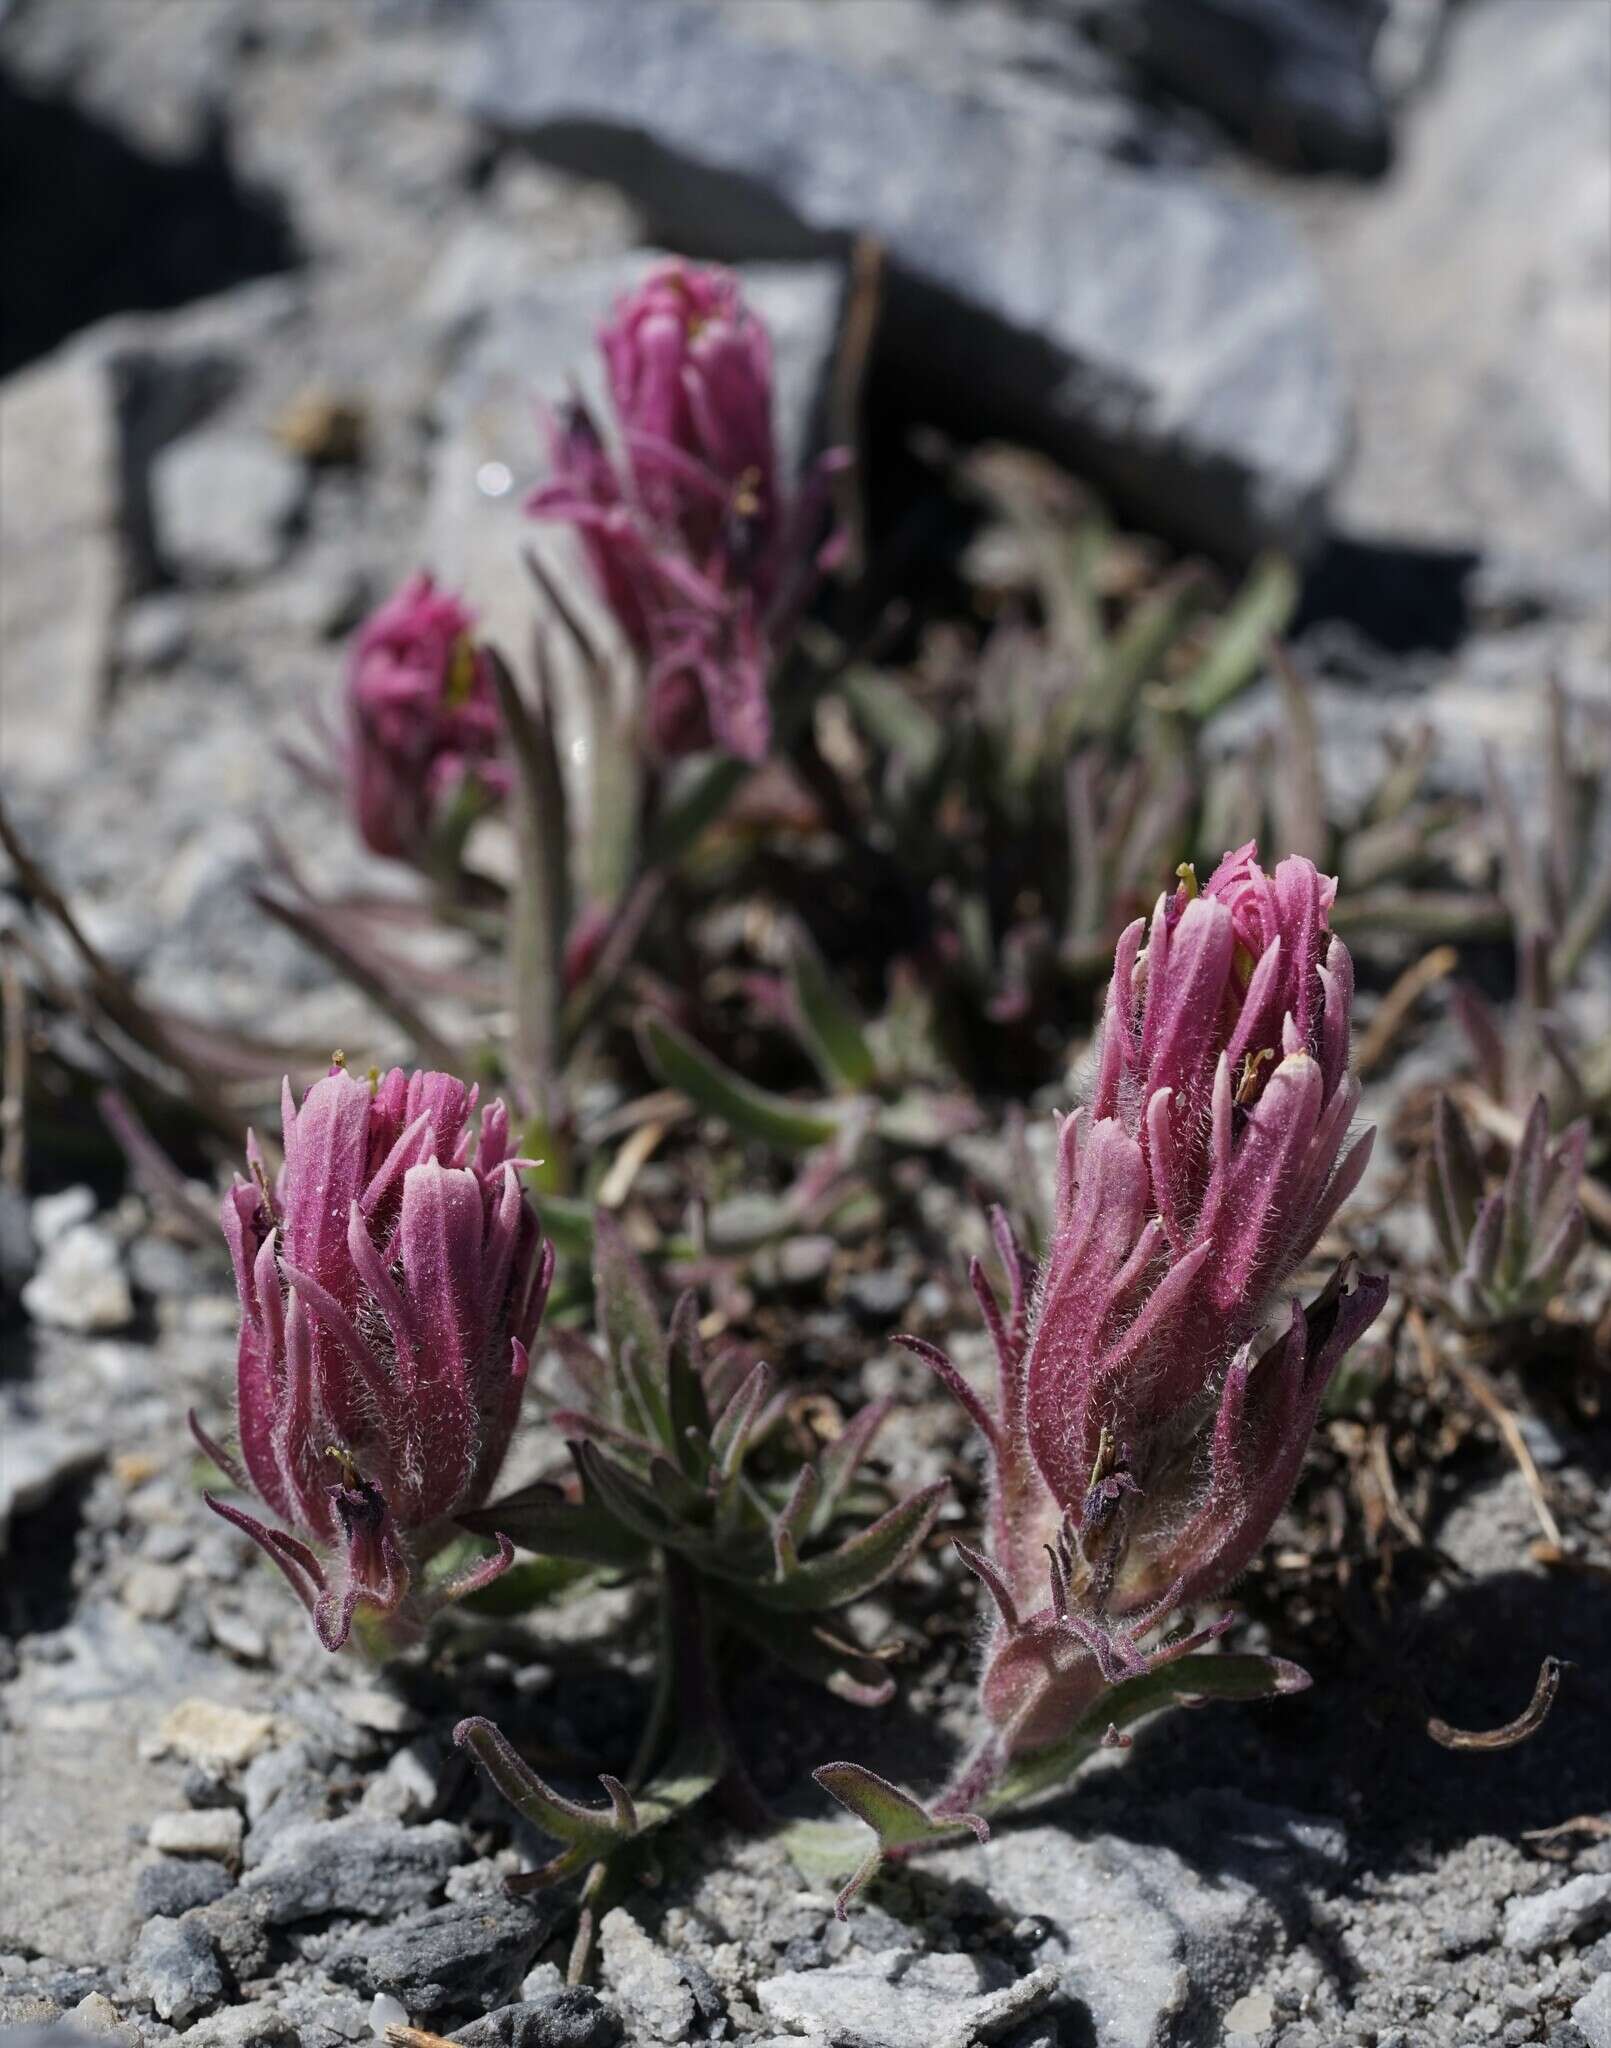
(701, 556)
(1505, 1252)
(1148, 1426)
(424, 739)
(391, 1283)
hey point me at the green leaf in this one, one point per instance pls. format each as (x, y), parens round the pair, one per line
(567, 1221)
(834, 1034)
(862, 1561)
(730, 1438)
(541, 1519)
(752, 1112)
(539, 908)
(699, 802)
(845, 1669)
(685, 1387)
(588, 1832)
(1186, 1681)
(1261, 610)
(532, 1583)
(630, 1323)
(892, 717)
(898, 1820)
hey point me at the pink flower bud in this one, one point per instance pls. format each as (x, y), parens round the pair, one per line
(391, 1285)
(1145, 1437)
(422, 721)
(704, 562)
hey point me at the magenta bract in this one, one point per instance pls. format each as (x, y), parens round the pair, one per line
(422, 720)
(1147, 1430)
(703, 560)
(391, 1285)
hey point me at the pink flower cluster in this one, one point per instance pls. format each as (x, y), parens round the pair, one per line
(702, 557)
(391, 1285)
(423, 728)
(1144, 1437)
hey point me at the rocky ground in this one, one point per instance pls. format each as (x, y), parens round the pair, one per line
(384, 226)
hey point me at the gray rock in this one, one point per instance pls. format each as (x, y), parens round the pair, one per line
(374, 1868)
(214, 1831)
(155, 634)
(224, 504)
(1140, 1932)
(326, 2019)
(569, 2017)
(284, 1788)
(1546, 1919)
(171, 1885)
(258, 2024)
(152, 1591)
(473, 1953)
(528, 336)
(81, 1284)
(1168, 337)
(1470, 300)
(59, 546)
(1592, 2013)
(54, 1215)
(237, 1925)
(175, 1967)
(646, 1981)
(902, 1998)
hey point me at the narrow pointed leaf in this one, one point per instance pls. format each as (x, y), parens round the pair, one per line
(751, 1112)
(898, 1820)
(540, 1518)
(862, 1561)
(835, 1036)
(1185, 1681)
(626, 1305)
(539, 908)
(730, 1438)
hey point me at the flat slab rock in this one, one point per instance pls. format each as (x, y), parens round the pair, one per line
(1167, 335)
(1145, 1937)
(901, 1998)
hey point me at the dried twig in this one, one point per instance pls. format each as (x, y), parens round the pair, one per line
(1482, 1390)
(1397, 1004)
(1527, 1722)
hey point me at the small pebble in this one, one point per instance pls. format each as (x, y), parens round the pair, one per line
(208, 1732)
(385, 2011)
(53, 1215)
(153, 1591)
(243, 1639)
(173, 1885)
(213, 1831)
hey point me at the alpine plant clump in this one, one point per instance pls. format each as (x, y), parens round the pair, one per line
(391, 1283)
(676, 1469)
(702, 555)
(1149, 1423)
(424, 740)
(1505, 1252)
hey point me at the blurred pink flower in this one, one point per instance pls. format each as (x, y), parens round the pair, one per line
(702, 559)
(422, 721)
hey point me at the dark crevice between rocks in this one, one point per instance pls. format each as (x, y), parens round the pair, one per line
(37, 1594)
(1402, 598)
(90, 225)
